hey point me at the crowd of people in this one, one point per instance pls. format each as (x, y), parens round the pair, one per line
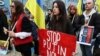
(70, 22)
(59, 18)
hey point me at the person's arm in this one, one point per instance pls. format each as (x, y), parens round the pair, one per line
(26, 25)
(3, 24)
(96, 24)
(25, 30)
(22, 35)
(4, 21)
(69, 27)
(80, 22)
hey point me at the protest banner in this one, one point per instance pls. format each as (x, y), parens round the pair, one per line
(52, 43)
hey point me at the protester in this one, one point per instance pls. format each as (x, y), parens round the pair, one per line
(48, 18)
(3, 24)
(21, 35)
(73, 16)
(96, 50)
(89, 18)
(35, 35)
(59, 21)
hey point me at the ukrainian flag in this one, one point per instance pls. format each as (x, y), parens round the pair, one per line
(97, 3)
(36, 9)
(10, 2)
(79, 7)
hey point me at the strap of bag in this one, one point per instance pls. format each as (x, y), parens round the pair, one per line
(13, 29)
(89, 20)
(73, 19)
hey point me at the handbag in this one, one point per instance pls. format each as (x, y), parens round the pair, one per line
(18, 41)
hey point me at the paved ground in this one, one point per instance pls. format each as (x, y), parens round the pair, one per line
(78, 52)
(12, 54)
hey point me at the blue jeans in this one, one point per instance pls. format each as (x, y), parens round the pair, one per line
(86, 50)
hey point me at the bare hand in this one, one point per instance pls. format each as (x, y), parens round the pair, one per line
(11, 34)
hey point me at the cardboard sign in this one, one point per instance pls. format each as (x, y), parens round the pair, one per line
(53, 43)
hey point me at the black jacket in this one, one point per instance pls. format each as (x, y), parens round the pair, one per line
(95, 21)
(26, 27)
(3, 23)
(76, 17)
(63, 25)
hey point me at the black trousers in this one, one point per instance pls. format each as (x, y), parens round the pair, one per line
(96, 51)
(25, 49)
(36, 47)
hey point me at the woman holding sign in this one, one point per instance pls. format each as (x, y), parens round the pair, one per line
(59, 21)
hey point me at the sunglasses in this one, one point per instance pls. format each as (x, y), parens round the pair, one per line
(12, 6)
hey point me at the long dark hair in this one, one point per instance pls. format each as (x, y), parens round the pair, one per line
(60, 22)
(62, 9)
(19, 8)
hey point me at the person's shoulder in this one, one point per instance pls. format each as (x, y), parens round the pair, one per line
(81, 15)
(96, 13)
(66, 21)
(25, 18)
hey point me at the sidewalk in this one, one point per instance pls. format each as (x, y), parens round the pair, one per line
(12, 54)
(78, 52)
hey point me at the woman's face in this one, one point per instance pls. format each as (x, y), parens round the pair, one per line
(13, 8)
(55, 9)
(72, 10)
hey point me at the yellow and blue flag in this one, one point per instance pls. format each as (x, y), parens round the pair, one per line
(97, 3)
(36, 9)
(79, 7)
(10, 1)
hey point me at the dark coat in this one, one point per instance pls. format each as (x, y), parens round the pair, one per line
(26, 27)
(95, 21)
(76, 17)
(63, 25)
(3, 23)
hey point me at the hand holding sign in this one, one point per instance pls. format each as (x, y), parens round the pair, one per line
(85, 35)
